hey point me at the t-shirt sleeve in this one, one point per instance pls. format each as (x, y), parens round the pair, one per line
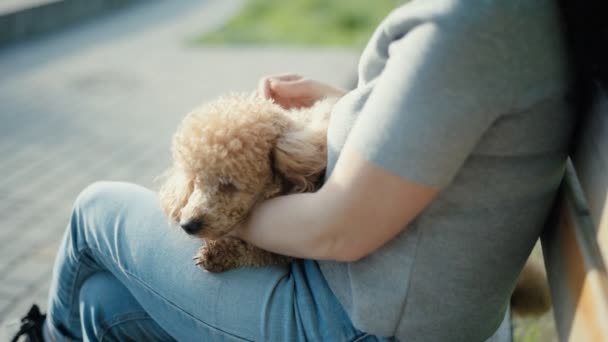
(439, 92)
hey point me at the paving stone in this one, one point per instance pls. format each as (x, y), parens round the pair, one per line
(6, 300)
(10, 290)
(17, 309)
(28, 271)
(8, 329)
(11, 250)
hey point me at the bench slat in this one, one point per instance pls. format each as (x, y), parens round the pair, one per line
(575, 243)
(591, 163)
(575, 267)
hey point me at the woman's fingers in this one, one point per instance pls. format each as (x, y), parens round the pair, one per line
(264, 85)
(287, 77)
(291, 88)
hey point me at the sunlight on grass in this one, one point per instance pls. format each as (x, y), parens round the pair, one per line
(535, 329)
(303, 22)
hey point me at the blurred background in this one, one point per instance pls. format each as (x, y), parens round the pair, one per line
(93, 90)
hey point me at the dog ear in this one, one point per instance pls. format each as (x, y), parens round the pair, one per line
(275, 188)
(300, 158)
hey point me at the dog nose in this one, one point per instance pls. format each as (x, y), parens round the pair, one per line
(192, 227)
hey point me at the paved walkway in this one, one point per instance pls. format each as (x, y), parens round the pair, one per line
(100, 101)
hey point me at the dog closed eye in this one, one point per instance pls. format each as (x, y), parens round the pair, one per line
(227, 187)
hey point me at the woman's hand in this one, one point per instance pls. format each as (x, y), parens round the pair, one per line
(294, 91)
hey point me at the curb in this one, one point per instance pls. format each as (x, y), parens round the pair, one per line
(24, 23)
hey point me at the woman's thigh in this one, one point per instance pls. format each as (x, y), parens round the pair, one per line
(126, 233)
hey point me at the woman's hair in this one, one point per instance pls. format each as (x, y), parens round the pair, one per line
(585, 24)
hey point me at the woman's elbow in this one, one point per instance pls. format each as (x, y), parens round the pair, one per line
(358, 241)
(345, 250)
(342, 236)
(350, 256)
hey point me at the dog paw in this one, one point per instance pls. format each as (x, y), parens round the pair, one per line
(212, 258)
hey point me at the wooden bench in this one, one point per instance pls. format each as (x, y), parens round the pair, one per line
(575, 241)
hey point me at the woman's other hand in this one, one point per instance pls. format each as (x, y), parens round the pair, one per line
(294, 91)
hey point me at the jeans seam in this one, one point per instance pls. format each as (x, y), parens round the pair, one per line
(73, 286)
(360, 338)
(116, 322)
(143, 284)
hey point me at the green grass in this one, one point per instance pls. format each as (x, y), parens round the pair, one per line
(303, 22)
(535, 329)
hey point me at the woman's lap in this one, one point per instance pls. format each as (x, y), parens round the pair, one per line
(119, 228)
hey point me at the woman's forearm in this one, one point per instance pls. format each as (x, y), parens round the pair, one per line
(296, 225)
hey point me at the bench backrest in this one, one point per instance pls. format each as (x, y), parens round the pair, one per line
(575, 243)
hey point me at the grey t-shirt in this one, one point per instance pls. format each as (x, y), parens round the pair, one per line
(468, 97)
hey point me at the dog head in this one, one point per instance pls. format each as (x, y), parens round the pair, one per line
(233, 153)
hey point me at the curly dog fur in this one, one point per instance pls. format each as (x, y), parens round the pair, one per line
(239, 150)
(232, 153)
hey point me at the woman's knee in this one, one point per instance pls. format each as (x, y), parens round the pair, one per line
(103, 200)
(99, 208)
(103, 193)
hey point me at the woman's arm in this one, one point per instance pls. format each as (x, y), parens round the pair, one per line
(358, 209)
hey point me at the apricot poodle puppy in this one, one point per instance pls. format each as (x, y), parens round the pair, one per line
(229, 155)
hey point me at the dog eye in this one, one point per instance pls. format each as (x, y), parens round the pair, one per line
(227, 187)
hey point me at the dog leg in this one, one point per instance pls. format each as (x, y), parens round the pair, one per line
(228, 253)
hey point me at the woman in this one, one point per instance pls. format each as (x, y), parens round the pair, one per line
(442, 166)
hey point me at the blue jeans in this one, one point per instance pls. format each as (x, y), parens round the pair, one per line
(123, 273)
